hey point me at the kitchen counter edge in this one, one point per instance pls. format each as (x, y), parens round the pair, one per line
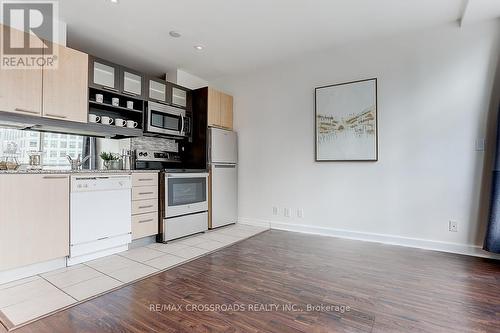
(70, 172)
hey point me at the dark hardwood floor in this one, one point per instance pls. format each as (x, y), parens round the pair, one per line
(388, 289)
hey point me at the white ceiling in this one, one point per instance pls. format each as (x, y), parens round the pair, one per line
(240, 35)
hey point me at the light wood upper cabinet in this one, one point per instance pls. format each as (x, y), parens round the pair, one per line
(220, 109)
(20, 89)
(65, 88)
(226, 111)
(59, 93)
(34, 219)
(213, 107)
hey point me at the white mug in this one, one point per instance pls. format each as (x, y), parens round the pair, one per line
(106, 120)
(130, 104)
(115, 101)
(94, 118)
(120, 122)
(132, 124)
(99, 98)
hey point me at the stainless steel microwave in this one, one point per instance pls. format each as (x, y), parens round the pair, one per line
(167, 120)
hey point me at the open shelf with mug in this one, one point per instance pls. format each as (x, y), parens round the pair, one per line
(114, 109)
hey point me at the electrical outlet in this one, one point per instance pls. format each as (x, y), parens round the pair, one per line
(287, 212)
(275, 210)
(480, 144)
(300, 212)
(453, 226)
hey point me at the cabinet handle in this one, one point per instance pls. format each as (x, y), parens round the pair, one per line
(55, 115)
(143, 207)
(110, 89)
(145, 179)
(148, 220)
(25, 110)
(129, 93)
(54, 177)
(142, 193)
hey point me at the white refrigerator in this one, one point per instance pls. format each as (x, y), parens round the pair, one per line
(223, 163)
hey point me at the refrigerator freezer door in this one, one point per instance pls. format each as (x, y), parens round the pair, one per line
(224, 146)
(224, 194)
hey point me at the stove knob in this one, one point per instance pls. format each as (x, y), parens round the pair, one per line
(145, 154)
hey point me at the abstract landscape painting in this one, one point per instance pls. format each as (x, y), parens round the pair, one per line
(346, 121)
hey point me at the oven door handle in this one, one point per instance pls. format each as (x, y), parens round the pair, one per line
(182, 125)
(187, 175)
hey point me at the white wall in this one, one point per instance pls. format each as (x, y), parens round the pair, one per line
(186, 79)
(189, 80)
(434, 95)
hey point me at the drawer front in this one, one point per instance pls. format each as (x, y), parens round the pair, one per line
(145, 192)
(144, 225)
(144, 206)
(144, 179)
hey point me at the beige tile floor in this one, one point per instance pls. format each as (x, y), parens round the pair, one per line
(37, 296)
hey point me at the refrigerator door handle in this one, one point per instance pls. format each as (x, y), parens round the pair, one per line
(226, 166)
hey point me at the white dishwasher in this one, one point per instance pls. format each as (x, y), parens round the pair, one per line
(100, 216)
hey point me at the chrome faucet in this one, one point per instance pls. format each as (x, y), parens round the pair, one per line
(76, 164)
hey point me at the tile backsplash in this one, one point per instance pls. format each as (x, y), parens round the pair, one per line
(153, 143)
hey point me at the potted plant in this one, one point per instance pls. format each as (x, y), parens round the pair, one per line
(110, 161)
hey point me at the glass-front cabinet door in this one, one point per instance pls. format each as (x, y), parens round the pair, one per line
(103, 74)
(132, 83)
(157, 90)
(179, 97)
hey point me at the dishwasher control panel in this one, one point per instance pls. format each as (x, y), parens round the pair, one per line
(100, 183)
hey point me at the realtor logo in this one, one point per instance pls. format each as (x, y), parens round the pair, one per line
(29, 29)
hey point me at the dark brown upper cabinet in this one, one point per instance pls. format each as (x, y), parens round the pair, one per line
(104, 74)
(177, 95)
(132, 83)
(157, 90)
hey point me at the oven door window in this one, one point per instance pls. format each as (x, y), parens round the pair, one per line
(186, 191)
(165, 121)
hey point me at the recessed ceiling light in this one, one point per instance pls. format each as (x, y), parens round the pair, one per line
(198, 47)
(114, 1)
(174, 34)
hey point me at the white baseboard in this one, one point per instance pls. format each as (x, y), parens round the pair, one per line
(27, 271)
(467, 249)
(254, 222)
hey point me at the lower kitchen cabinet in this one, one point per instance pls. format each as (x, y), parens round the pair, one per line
(34, 219)
(144, 192)
(144, 204)
(144, 225)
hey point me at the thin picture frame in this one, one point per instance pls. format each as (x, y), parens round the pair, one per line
(316, 123)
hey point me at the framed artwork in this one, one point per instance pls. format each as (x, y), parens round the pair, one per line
(345, 117)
